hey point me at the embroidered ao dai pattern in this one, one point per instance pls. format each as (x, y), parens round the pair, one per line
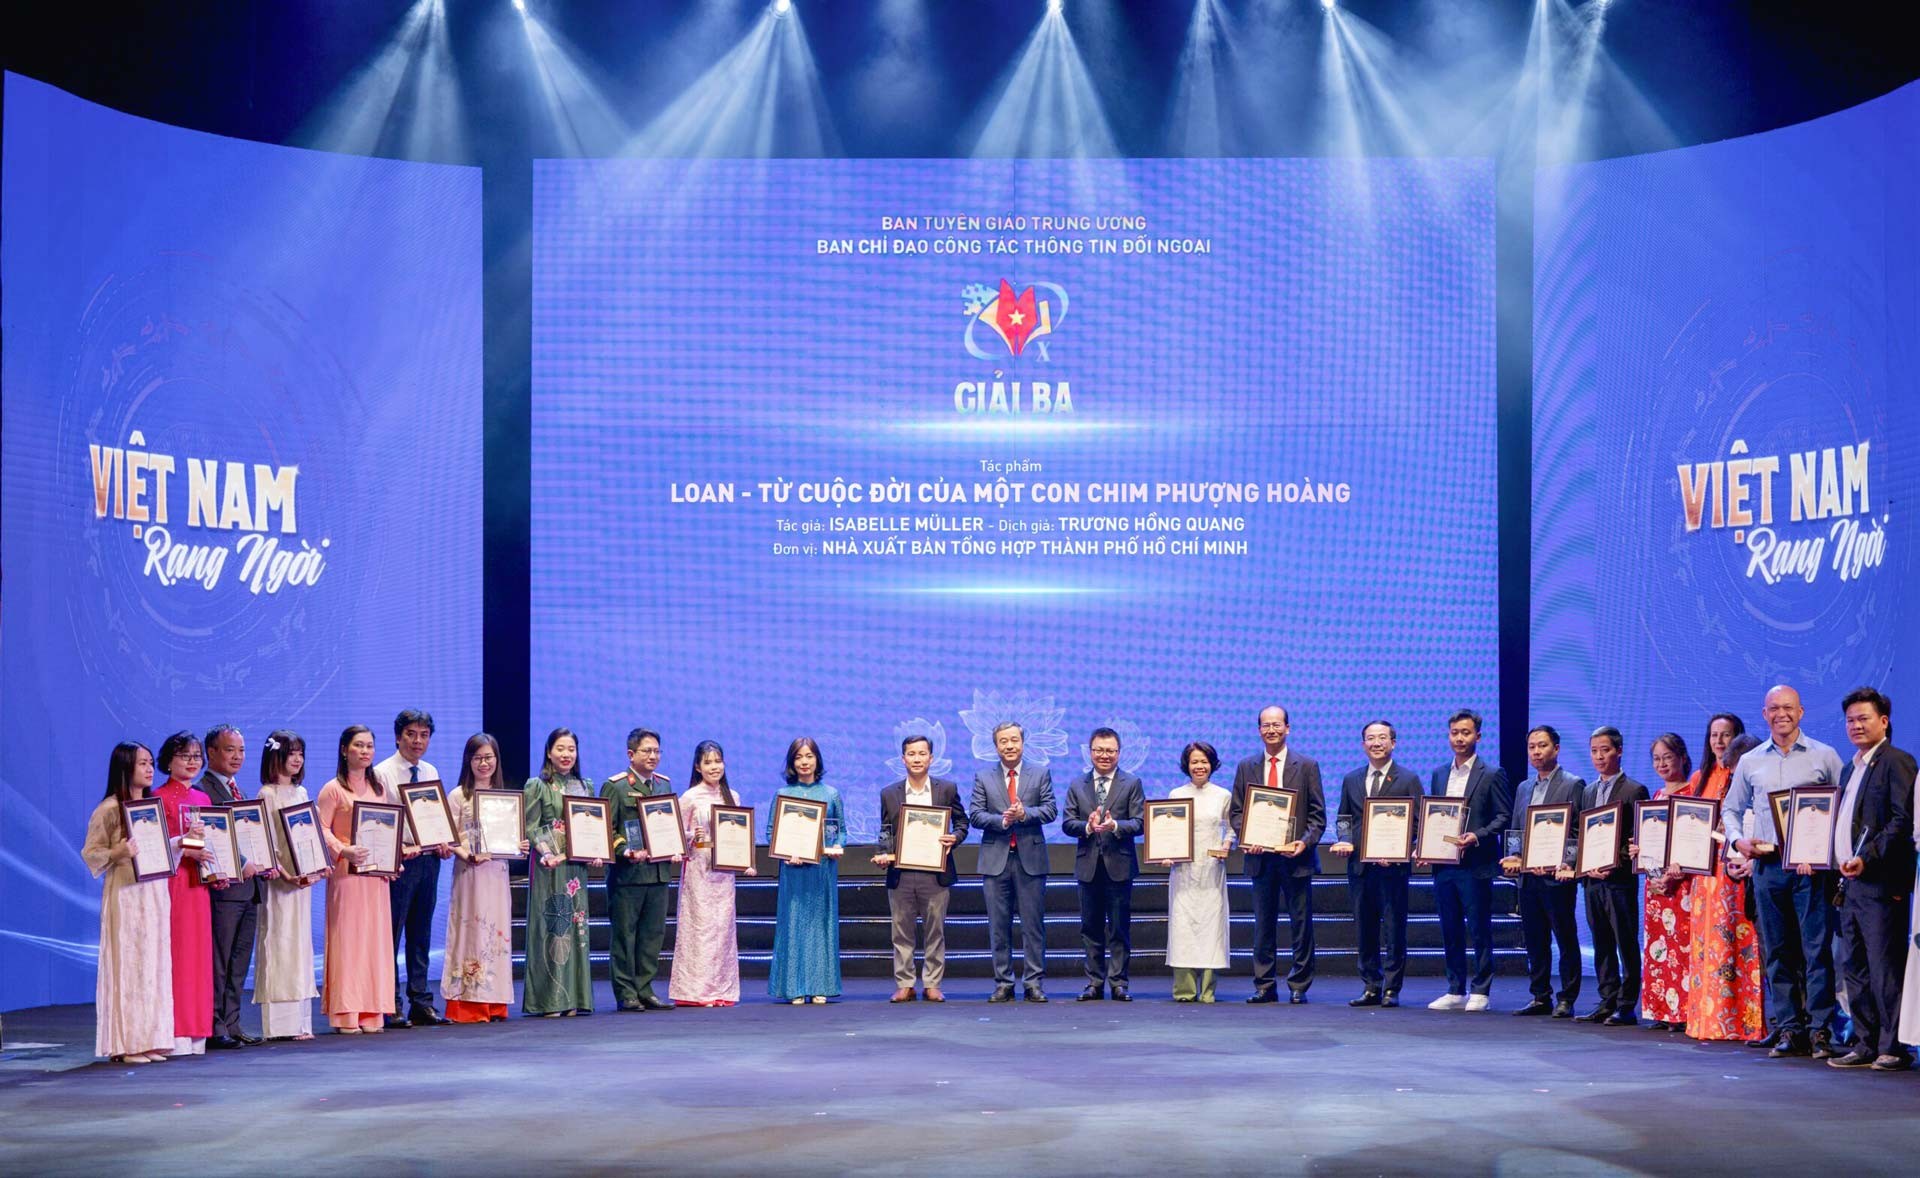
(1723, 978)
(1666, 962)
(479, 953)
(706, 949)
(559, 975)
(806, 937)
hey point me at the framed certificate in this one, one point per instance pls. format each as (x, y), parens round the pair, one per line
(499, 822)
(660, 826)
(1441, 821)
(589, 829)
(146, 823)
(1782, 820)
(376, 827)
(223, 858)
(306, 850)
(428, 815)
(732, 838)
(1692, 845)
(918, 840)
(1602, 838)
(1169, 831)
(1652, 825)
(250, 839)
(1268, 819)
(1386, 830)
(1544, 847)
(1810, 817)
(799, 829)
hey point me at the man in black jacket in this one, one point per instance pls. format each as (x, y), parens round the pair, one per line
(1613, 894)
(1463, 891)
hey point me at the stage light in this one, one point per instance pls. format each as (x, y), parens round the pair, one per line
(520, 6)
(782, 7)
(1327, 4)
(1054, 7)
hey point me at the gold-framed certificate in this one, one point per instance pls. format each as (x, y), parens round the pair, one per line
(300, 834)
(1386, 830)
(146, 824)
(1652, 830)
(1810, 819)
(1442, 819)
(428, 815)
(499, 823)
(1777, 801)
(917, 842)
(799, 829)
(1693, 845)
(732, 838)
(250, 840)
(376, 829)
(660, 826)
(1268, 818)
(589, 829)
(222, 863)
(1601, 838)
(1168, 831)
(1544, 846)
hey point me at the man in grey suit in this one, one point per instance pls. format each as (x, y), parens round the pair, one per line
(236, 906)
(1012, 804)
(919, 897)
(1613, 896)
(1282, 872)
(1547, 895)
(1379, 890)
(1104, 811)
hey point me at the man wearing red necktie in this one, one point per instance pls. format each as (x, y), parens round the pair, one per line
(1012, 804)
(1282, 872)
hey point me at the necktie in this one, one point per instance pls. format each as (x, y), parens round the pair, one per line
(1100, 792)
(1273, 772)
(1013, 795)
(1373, 783)
(413, 775)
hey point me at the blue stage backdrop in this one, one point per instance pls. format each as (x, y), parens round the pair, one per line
(862, 448)
(242, 471)
(1725, 428)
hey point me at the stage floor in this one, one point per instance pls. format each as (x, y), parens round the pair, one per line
(863, 1087)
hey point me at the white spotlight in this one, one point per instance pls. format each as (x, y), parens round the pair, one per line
(782, 7)
(520, 6)
(1054, 7)
(1327, 4)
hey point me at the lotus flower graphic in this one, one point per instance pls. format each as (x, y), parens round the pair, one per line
(1134, 746)
(1035, 713)
(936, 734)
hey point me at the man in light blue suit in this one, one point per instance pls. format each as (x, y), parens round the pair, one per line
(1012, 804)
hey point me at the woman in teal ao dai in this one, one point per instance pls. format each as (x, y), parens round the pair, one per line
(559, 978)
(806, 937)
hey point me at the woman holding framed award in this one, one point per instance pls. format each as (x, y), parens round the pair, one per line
(1197, 890)
(356, 988)
(806, 935)
(706, 947)
(1724, 997)
(133, 987)
(559, 978)
(190, 919)
(283, 959)
(1666, 954)
(477, 981)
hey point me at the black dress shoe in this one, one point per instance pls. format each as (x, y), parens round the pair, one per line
(1891, 1063)
(1765, 1041)
(632, 1007)
(247, 1040)
(1598, 1014)
(653, 1003)
(1659, 1025)
(1090, 994)
(1859, 1057)
(1120, 994)
(1538, 1007)
(1370, 998)
(396, 1023)
(1563, 1009)
(427, 1016)
(1791, 1045)
(1296, 997)
(1002, 994)
(1823, 1047)
(1259, 996)
(1622, 1018)
(1034, 994)
(223, 1043)
(1390, 998)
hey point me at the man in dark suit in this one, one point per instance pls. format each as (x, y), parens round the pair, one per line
(1282, 872)
(236, 906)
(1379, 890)
(416, 890)
(637, 886)
(1104, 812)
(1873, 844)
(1012, 804)
(1547, 894)
(1463, 891)
(1613, 895)
(919, 897)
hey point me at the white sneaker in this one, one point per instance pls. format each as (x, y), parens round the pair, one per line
(1479, 1002)
(1447, 1002)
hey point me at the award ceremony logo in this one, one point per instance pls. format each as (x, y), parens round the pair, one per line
(1006, 328)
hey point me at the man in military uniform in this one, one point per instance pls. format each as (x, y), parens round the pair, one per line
(636, 885)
